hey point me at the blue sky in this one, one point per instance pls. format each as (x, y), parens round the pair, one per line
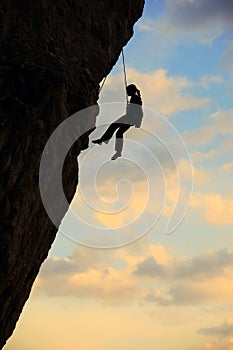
(173, 291)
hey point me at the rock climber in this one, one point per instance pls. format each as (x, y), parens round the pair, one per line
(133, 117)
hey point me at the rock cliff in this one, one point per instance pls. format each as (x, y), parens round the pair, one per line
(53, 56)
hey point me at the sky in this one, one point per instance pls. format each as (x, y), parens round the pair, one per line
(165, 291)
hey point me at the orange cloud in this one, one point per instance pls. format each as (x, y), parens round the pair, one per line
(217, 210)
(167, 94)
(228, 167)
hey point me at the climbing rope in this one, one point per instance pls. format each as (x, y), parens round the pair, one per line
(125, 77)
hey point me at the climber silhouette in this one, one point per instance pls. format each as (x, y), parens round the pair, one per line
(133, 117)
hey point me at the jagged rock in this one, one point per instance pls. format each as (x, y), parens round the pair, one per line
(53, 57)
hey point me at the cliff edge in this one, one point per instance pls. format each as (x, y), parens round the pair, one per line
(53, 57)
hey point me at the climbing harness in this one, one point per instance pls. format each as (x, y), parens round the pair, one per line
(125, 77)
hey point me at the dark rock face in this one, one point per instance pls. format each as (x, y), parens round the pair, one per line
(53, 56)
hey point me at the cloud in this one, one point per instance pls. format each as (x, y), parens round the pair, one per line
(228, 58)
(204, 278)
(221, 337)
(198, 156)
(135, 207)
(158, 297)
(201, 267)
(201, 20)
(133, 256)
(200, 175)
(112, 206)
(107, 284)
(217, 123)
(81, 260)
(212, 291)
(87, 273)
(226, 145)
(150, 273)
(180, 294)
(96, 274)
(206, 346)
(216, 209)
(150, 267)
(189, 294)
(165, 93)
(173, 186)
(216, 345)
(224, 330)
(204, 266)
(208, 80)
(228, 167)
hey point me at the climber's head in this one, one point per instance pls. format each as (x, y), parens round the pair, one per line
(132, 90)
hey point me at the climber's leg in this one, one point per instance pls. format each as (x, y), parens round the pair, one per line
(119, 140)
(108, 133)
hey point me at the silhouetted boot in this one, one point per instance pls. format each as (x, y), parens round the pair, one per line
(116, 155)
(99, 141)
